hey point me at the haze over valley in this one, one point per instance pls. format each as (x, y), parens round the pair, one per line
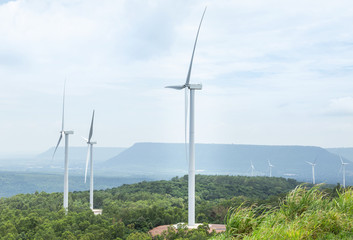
(154, 161)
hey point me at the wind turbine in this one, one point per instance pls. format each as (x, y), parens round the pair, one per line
(313, 169)
(270, 166)
(66, 172)
(89, 159)
(252, 168)
(192, 88)
(343, 167)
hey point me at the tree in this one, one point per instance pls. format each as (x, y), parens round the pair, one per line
(139, 236)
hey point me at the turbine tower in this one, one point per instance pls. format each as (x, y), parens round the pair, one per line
(343, 167)
(270, 166)
(66, 172)
(313, 169)
(90, 160)
(192, 88)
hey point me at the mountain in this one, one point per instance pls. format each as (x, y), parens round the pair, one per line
(344, 152)
(169, 159)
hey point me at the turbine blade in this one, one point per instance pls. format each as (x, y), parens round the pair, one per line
(91, 129)
(193, 51)
(57, 145)
(315, 159)
(176, 87)
(341, 159)
(309, 163)
(84, 138)
(87, 160)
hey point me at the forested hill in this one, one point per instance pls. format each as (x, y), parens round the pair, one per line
(213, 187)
(130, 211)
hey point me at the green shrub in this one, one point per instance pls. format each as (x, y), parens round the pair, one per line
(303, 214)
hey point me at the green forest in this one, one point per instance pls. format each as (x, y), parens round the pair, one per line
(130, 211)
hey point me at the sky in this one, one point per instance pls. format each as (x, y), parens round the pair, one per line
(273, 72)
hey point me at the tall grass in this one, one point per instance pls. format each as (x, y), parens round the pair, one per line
(303, 214)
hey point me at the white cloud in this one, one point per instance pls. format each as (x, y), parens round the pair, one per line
(341, 106)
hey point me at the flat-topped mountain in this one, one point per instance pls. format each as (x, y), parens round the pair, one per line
(233, 159)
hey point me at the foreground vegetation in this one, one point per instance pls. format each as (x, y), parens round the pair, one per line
(130, 211)
(252, 207)
(302, 214)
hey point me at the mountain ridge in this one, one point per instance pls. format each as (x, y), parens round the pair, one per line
(231, 159)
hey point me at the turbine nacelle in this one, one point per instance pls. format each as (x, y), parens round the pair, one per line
(195, 86)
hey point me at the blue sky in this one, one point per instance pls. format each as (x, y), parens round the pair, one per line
(273, 72)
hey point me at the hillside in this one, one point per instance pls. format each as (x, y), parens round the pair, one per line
(346, 153)
(167, 159)
(213, 187)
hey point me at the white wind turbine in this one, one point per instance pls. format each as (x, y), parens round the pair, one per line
(252, 168)
(343, 167)
(270, 167)
(66, 173)
(191, 177)
(90, 160)
(313, 169)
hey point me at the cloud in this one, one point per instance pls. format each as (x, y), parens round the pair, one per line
(342, 106)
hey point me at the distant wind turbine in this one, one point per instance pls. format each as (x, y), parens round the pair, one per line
(252, 169)
(313, 169)
(192, 88)
(90, 160)
(66, 173)
(270, 167)
(343, 167)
